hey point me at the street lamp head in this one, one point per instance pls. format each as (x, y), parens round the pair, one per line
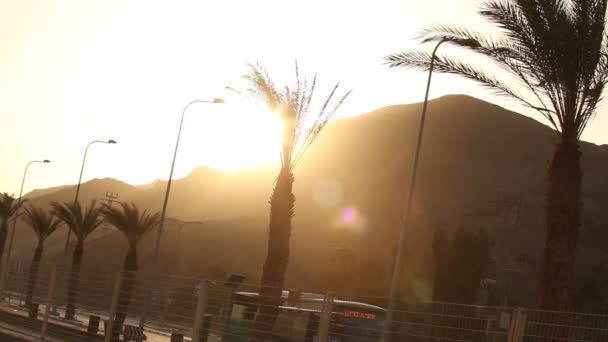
(111, 141)
(474, 43)
(46, 161)
(218, 100)
(468, 42)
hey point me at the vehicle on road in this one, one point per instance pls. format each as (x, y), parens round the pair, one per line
(300, 315)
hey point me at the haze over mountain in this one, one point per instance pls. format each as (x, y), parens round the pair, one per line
(482, 167)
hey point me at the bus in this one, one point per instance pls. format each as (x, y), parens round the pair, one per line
(300, 313)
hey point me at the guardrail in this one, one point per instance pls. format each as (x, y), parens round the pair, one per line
(164, 307)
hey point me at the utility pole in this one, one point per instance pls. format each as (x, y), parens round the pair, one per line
(110, 198)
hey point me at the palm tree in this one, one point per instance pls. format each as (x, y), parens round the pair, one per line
(43, 224)
(557, 51)
(134, 225)
(301, 126)
(8, 208)
(82, 224)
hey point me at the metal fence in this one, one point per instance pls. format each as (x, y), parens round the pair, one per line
(164, 307)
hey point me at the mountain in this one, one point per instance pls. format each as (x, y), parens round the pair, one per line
(481, 167)
(43, 192)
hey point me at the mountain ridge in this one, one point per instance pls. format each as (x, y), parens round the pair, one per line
(481, 167)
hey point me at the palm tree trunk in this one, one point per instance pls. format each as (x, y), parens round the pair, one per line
(126, 288)
(3, 235)
(563, 221)
(31, 282)
(74, 279)
(273, 275)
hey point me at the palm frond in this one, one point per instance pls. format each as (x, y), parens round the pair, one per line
(558, 50)
(324, 117)
(422, 60)
(81, 223)
(292, 102)
(460, 36)
(128, 219)
(92, 218)
(8, 206)
(262, 87)
(41, 222)
(68, 214)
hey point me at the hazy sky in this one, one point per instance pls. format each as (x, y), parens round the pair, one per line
(76, 71)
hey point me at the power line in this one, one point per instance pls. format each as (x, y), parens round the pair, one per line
(110, 198)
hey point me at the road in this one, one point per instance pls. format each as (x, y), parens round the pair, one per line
(13, 318)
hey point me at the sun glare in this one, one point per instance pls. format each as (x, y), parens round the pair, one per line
(234, 138)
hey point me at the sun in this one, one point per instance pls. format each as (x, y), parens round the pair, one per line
(232, 138)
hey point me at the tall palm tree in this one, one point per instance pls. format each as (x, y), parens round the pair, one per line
(134, 225)
(8, 208)
(292, 104)
(82, 223)
(43, 224)
(557, 52)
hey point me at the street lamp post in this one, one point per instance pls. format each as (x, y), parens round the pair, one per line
(84, 159)
(398, 264)
(166, 200)
(10, 241)
(168, 190)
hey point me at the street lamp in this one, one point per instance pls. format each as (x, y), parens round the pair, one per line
(398, 264)
(164, 210)
(10, 242)
(86, 150)
(166, 200)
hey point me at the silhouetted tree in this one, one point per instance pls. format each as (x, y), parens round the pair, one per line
(292, 104)
(43, 224)
(558, 51)
(8, 208)
(82, 224)
(592, 292)
(461, 264)
(441, 258)
(134, 225)
(340, 271)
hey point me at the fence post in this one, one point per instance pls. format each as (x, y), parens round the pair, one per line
(150, 296)
(227, 314)
(21, 274)
(325, 319)
(49, 303)
(3, 278)
(517, 328)
(58, 285)
(113, 306)
(108, 285)
(201, 308)
(523, 318)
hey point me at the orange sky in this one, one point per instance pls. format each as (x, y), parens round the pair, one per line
(76, 71)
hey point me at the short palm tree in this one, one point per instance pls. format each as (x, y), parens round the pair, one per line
(292, 103)
(556, 51)
(82, 223)
(134, 224)
(8, 208)
(43, 224)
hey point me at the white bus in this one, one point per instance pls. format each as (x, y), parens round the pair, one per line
(299, 319)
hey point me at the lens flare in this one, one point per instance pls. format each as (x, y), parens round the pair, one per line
(351, 219)
(349, 215)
